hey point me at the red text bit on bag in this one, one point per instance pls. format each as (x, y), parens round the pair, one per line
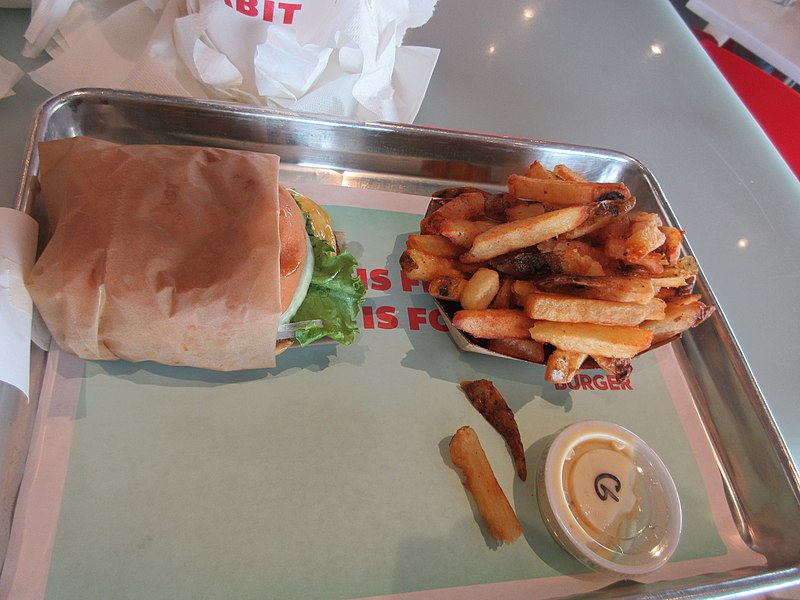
(268, 10)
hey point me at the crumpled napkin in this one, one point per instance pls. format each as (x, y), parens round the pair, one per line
(333, 57)
(10, 74)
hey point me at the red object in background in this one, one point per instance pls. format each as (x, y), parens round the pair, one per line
(773, 104)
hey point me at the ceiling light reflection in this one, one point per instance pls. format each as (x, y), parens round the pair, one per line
(492, 48)
(656, 49)
(528, 14)
(742, 243)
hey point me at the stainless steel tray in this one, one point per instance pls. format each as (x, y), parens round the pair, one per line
(760, 479)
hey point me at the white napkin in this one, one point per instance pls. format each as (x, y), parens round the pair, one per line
(10, 74)
(18, 235)
(334, 57)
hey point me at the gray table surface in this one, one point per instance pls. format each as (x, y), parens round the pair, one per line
(619, 74)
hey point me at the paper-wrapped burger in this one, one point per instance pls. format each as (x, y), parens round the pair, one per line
(185, 255)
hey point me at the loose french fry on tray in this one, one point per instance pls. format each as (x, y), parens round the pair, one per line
(488, 401)
(467, 454)
(558, 270)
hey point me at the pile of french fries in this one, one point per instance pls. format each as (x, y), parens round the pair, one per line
(558, 270)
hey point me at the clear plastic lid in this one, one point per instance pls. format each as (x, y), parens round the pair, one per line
(608, 499)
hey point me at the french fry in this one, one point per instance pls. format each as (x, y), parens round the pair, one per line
(564, 172)
(556, 307)
(679, 275)
(575, 257)
(493, 323)
(467, 205)
(563, 365)
(504, 296)
(520, 290)
(565, 193)
(524, 211)
(679, 317)
(672, 244)
(618, 341)
(447, 288)
(515, 235)
(462, 232)
(620, 368)
(602, 214)
(521, 348)
(618, 289)
(537, 170)
(488, 401)
(425, 267)
(557, 269)
(480, 289)
(433, 244)
(467, 454)
(496, 206)
(645, 237)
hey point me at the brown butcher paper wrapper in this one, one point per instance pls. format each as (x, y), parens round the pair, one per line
(162, 253)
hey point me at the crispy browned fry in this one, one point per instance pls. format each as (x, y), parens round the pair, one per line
(462, 232)
(620, 368)
(521, 348)
(537, 171)
(503, 298)
(563, 365)
(679, 317)
(619, 289)
(524, 211)
(672, 244)
(645, 237)
(683, 273)
(525, 264)
(564, 172)
(424, 267)
(493, 323)
(565, 193)
(467, 205)
(488, 401)
(617, 341)
(558, 307)
(574, 257)
(497, 205)
(602, 214)
(507, 237)
(447, 288)
(433, 244)
(481, 289)
(467, 454)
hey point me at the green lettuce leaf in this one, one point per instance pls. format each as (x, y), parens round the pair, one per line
(333, 297)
